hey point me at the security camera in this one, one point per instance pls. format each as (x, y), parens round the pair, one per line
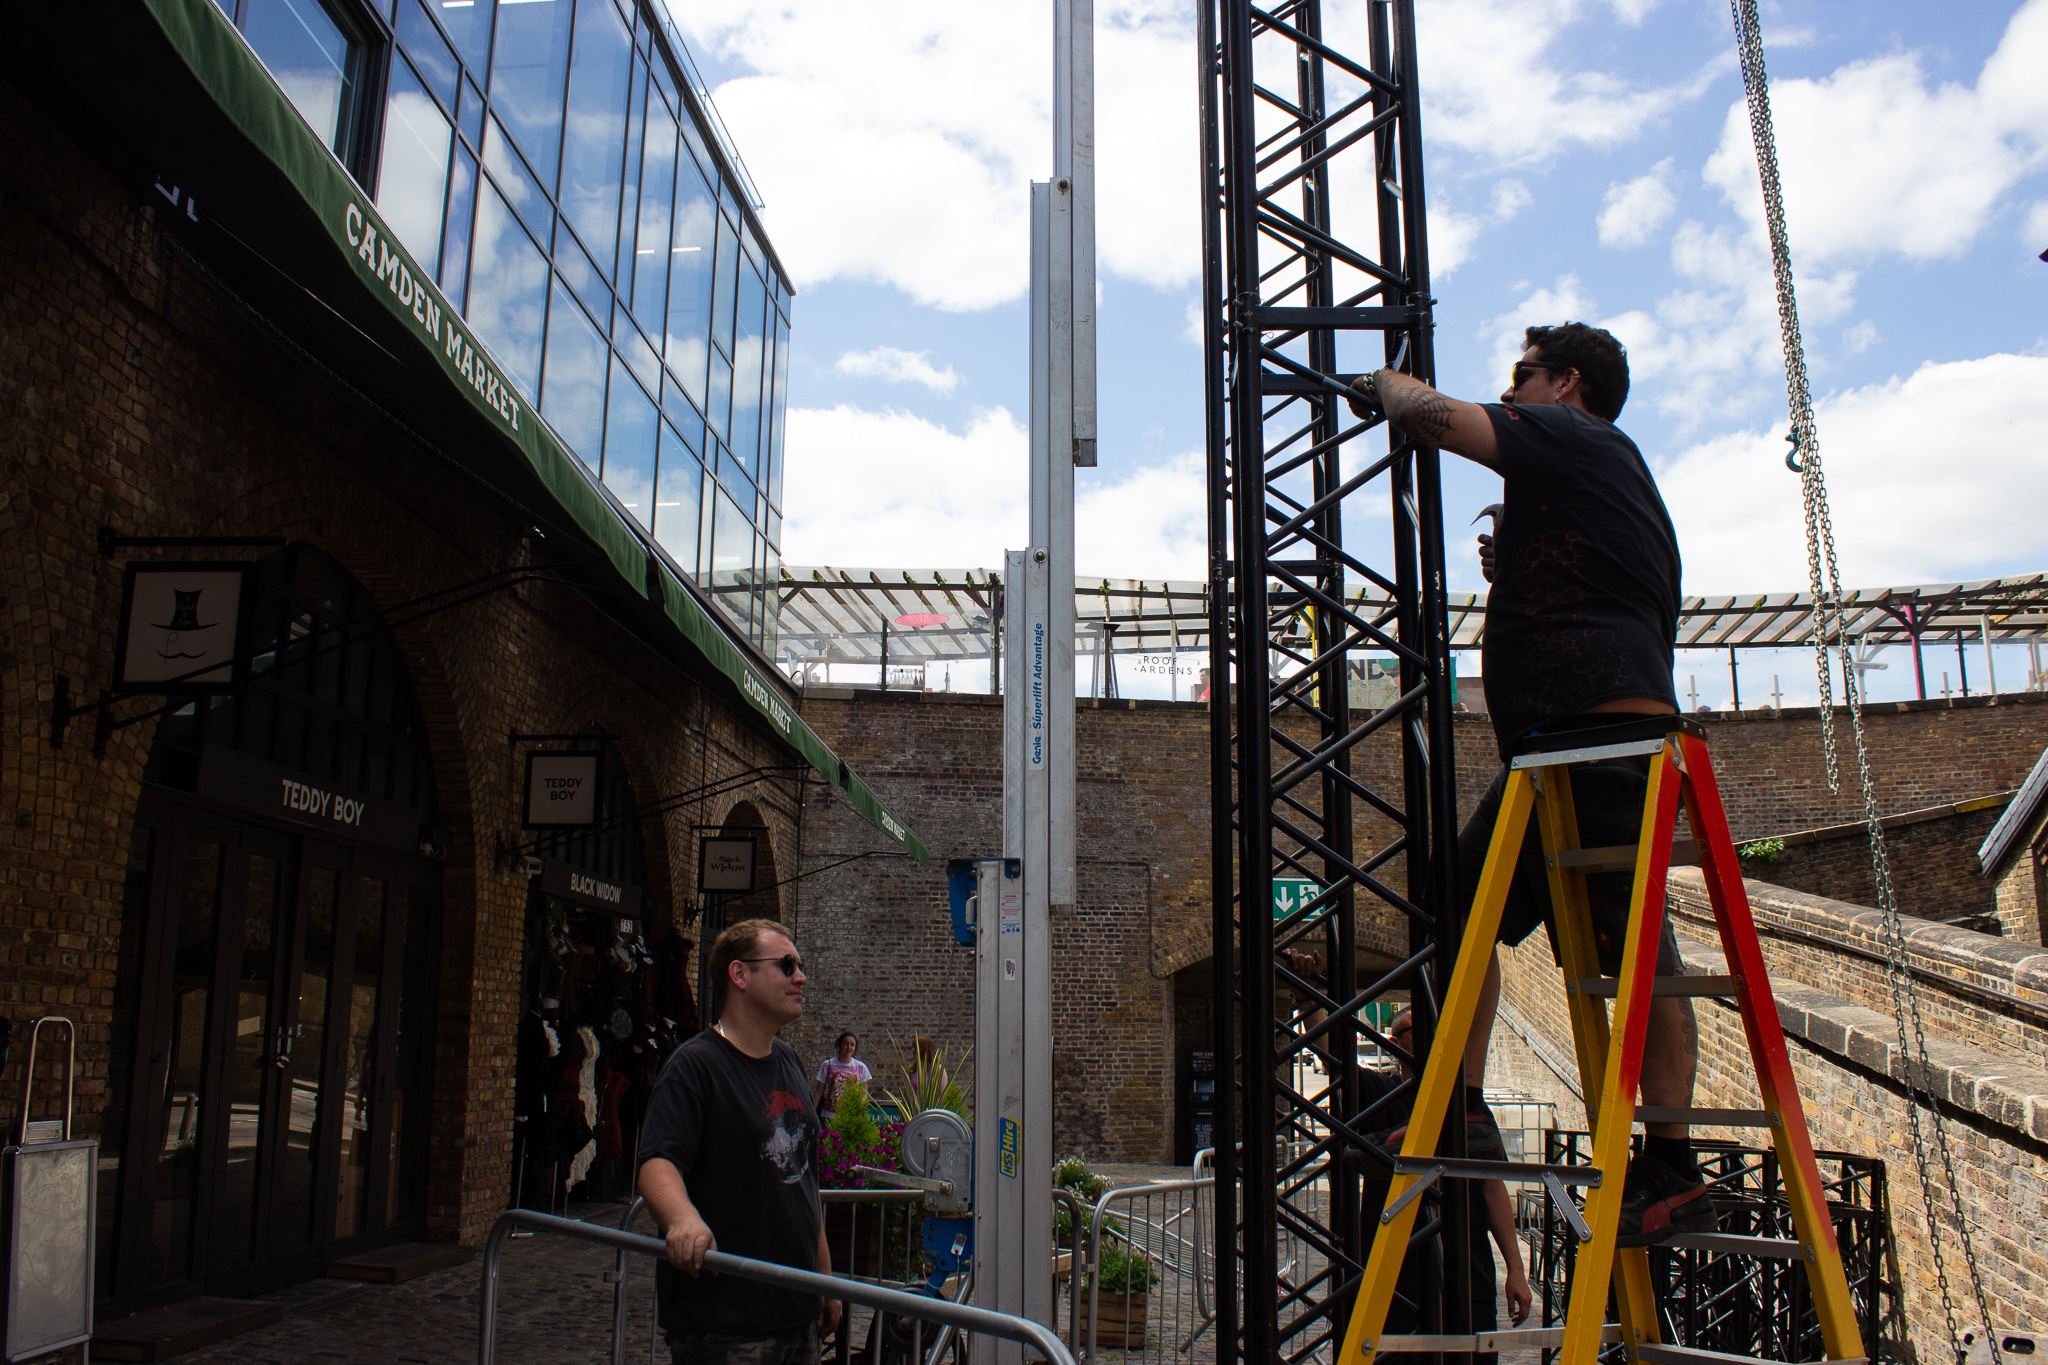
(531, 866)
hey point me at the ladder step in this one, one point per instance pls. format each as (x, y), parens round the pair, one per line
(1665, 985)
(1507, 1339)
(1685, 1355)
(1773, 1248)
(1622, 857)
(1592, 753)
(1453, 1168)
(1718, 1118)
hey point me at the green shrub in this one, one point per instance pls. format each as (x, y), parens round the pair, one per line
(1763, 850)
(851, 1119)
(1123, 1269)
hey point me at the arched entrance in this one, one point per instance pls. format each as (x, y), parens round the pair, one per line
(599, 1013)
(266, 1105)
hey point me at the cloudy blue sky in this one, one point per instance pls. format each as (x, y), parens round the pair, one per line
(1587, 159)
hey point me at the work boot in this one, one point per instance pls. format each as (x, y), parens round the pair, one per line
(1660, 1202)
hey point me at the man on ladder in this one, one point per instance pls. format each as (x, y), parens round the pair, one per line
(1579, 634)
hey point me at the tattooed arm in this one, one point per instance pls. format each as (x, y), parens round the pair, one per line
(1438, 419)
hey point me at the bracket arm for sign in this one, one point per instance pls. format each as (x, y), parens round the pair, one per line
(63, 711)
(109, 542)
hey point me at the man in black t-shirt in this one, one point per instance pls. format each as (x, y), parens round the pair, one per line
(1579, 631)
(725, 1165)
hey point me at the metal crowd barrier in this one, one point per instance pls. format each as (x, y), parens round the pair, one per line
(917, 1307)
(1164, 1224)
(848, 1261)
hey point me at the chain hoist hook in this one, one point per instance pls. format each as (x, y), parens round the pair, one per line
(1792, 455)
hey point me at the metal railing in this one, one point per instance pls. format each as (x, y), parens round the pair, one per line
(1159, 1227)
(917, 1307)
(850, 1258)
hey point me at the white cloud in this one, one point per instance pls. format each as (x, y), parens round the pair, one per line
(896, 142)
(898, 367)
(2034, 235)
(1876, 160)
(1935, 476)
(860, 480)
(1860, 338)
(1153, 524)
(889, 486)
(1452, 234)
(1566, 301)
(1637, 208)
(1516, 97)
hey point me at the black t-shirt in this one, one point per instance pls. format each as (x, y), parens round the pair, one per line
(1482, 1143)
(742, 1132)
(1585, 596)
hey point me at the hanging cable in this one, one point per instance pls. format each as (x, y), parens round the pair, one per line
(1828, 633)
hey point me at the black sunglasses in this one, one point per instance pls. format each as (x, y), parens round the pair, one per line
(790, 963)
(1519, 374)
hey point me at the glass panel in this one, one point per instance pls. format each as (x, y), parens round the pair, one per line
(779, 401)
(413, 182)
(429, 51)
(572, 398)
(722, 287)
(515, 180)
(704, 533)
(746, 370)
(469, 23)
(470, 117)
(629, 195)
(676, 492)
(657, 198)
(718, 398)
(732, 557)
(461, 211)
(594, 144)
(311, 59)
(352, 1196)
(636, 349)
(691, 259)
(196, 905)
(249, 1064)
(508, 290)
(629, 437)
(409, 1058)
(529, 62)
(297, 1172)
(122, 1041)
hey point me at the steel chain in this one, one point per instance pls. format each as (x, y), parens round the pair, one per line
(1828, 631)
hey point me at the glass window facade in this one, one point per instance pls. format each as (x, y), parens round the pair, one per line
(537, 158)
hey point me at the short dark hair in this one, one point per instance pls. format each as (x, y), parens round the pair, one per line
(846, 1037)
(1602, 362)
(736, 944)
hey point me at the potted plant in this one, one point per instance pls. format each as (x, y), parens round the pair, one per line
(1124, 1275)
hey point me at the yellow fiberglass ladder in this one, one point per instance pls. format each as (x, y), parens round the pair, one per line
(1537, 784)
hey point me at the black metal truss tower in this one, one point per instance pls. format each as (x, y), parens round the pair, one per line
(1315, 270)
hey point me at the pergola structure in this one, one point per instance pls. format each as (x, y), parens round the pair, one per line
(915, 616)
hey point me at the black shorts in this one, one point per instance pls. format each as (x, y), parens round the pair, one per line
(1608, 799)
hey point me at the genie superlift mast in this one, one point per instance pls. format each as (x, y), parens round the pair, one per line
(1316, 269)
(1017, 894)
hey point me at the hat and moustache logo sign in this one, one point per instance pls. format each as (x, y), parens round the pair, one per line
(179, 626)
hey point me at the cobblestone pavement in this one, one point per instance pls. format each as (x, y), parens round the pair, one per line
(554, 1309)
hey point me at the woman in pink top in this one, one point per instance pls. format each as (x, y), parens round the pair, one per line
(835, 1073)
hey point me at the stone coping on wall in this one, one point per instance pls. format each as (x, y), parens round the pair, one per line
(2013, 973)
(1855, 829)
(2010, 1094)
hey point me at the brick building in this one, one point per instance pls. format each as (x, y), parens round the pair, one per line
(1132, 992)
(312, 436)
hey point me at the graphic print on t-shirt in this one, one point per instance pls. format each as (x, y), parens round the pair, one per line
(788, 1147)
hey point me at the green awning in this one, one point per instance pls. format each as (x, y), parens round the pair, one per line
(238, 83)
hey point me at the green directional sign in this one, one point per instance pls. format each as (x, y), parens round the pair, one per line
(1291, 893)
